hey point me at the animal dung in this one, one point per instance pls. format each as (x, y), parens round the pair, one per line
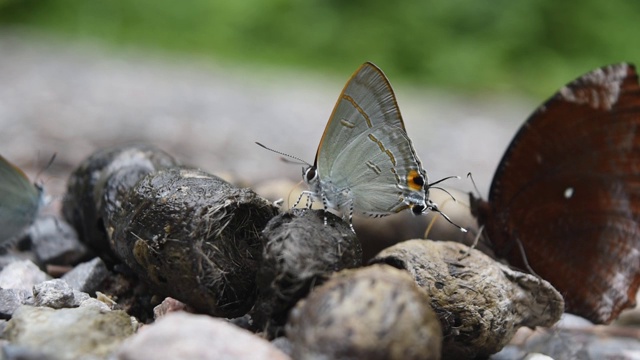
(193, 236)
(84, 203)
(374, 312)
(299, 252)
(480, 302)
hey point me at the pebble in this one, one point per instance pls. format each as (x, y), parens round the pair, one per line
(54, 241)
(56, 294)
(168, 305)
(77, 333)
(180, 335)
(11, 299)
(21, 275)
(583, 341)
(87, 276)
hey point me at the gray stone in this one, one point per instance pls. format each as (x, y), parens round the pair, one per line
(11, 299)
(284, 344)
(16, 352)
(12, 256)
(55, 294)
(21, 275)
(56, 242)
(58, 294)
(88, 276)
(93, 302)
(79, 333)
(180, 335)
(574, 339)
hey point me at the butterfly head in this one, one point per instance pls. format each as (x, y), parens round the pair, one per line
(310, 175)
(417, 183)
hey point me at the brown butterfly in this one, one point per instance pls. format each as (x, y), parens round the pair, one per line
(568, 191)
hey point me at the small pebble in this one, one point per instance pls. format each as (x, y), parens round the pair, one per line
(54, 241)
(168, 305)
(180, 335)
(87, 277)
(56, 294)
(78, 333)
(21, 275)
(11, 299)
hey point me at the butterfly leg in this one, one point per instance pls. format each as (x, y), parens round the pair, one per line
(325, 204)
(349, 199)
(309, 203)
(351, 216)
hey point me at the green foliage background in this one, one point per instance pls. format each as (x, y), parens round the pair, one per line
(528, 46)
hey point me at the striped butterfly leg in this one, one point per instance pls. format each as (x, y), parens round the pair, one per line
(325, 203)
(351, 216)
(309, 203)
(349, 196)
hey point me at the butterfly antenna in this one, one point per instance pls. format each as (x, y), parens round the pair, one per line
(434, 207)
(476, 240)
(524, 259)
(283, 154)
(429, 186)
(470, 176)
(445, 190)
(49, 163)
(443, 179)
(433, 219)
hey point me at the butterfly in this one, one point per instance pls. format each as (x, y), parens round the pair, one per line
(365, 162)
(20, 201)
(567, 191)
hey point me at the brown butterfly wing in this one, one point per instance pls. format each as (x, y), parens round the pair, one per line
(568, 188)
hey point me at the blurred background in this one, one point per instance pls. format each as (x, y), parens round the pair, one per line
(204, 79)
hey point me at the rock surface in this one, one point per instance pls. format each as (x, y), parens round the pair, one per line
(180, 335)
(88, 276)
(54, 241)
(78, 333)
(21, 275)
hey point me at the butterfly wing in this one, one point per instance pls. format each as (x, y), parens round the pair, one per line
(367, 100)
(19, 201)
(568, 188)
(365, 148)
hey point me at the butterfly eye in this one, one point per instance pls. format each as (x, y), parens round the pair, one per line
(310, 174)
(418, 209)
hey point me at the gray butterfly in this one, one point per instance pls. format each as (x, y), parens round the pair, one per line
(20, 201)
